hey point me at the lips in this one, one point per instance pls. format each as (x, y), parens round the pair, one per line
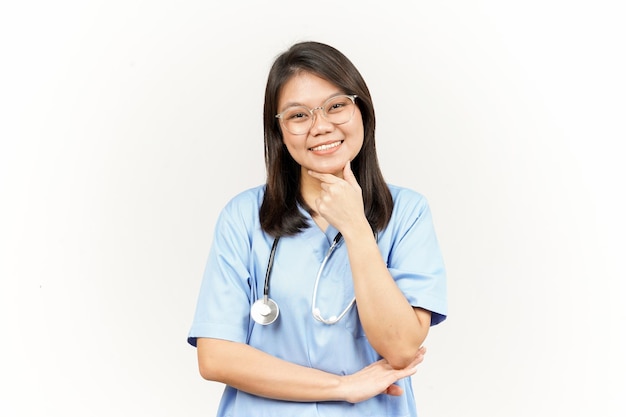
(326, 146)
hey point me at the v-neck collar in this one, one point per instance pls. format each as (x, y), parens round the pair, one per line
(313, 231)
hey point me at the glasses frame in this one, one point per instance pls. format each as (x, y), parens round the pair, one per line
(352, 97)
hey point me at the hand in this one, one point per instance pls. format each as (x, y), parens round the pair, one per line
(378, 378)
(341, 201)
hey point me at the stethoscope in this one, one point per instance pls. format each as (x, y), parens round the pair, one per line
(265, 310)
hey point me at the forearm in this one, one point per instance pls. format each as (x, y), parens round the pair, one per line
(394, 328)
(251, 370)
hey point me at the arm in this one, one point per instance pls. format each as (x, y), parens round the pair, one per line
(394, 328)
(251, 370)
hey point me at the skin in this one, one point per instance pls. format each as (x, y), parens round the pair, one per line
(395, 329)
(311, 91)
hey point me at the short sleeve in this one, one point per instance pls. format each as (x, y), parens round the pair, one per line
(223, 305)
(415, 260)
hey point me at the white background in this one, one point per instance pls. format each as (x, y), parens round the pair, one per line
(125, 126)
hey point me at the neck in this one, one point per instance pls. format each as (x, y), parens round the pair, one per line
(310, 190)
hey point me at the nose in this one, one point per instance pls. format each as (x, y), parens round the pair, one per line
(320, 125)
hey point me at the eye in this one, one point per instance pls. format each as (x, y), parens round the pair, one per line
(296, 115)
(338, 104)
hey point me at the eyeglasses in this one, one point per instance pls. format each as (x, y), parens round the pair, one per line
(299, 119)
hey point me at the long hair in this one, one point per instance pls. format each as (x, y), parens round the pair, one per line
(279, 213)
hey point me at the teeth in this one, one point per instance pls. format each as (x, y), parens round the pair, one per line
(324, 147)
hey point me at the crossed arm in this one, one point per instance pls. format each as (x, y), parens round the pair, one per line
(251, 370)
(395, 329)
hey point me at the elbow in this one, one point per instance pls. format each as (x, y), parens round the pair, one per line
(207, 372)
(210, 359)
(212, 371)
(408, 350)
(409, 353)
(403, 361)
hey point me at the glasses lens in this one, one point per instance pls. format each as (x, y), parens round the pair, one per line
(297, 120)
(339, 110)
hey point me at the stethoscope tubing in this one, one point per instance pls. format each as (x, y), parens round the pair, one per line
(315, 311)
(268, 272)
(266, 311)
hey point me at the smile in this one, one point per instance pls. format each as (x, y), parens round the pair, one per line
(326, 146)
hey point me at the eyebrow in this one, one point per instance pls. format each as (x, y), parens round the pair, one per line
(297, 104)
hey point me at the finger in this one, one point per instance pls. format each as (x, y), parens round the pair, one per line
(325, 186)
(421, 352)
(417, 360)
(328, 178)
(394, 390)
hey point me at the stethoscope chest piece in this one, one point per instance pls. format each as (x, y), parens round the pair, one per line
(264, 311)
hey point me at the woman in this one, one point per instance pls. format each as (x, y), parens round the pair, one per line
(320, 285)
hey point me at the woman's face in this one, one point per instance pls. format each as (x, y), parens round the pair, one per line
(326, 147)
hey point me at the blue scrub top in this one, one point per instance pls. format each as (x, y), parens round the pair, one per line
(234, 279)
